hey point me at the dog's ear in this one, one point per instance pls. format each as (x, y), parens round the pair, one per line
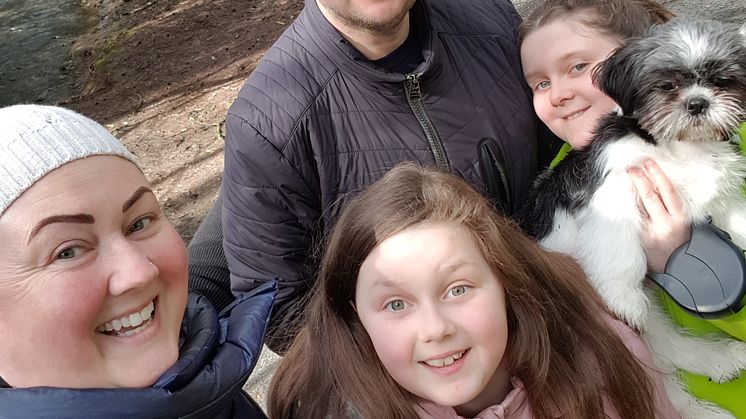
(617, 75)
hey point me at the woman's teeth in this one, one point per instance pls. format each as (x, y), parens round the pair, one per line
(133, 320)
(445, 361)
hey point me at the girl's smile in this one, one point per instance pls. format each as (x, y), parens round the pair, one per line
(448, 364)
(436, 314)
(575, 114)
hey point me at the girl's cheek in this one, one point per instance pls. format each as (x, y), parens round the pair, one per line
(540, 107)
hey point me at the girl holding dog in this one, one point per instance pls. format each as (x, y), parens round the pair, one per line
(562, 42)
(429, 304)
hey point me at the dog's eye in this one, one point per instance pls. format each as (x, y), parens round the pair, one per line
(668, 86)
(722, 82)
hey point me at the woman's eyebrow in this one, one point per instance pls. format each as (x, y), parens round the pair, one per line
(66, 218)
(135, 196)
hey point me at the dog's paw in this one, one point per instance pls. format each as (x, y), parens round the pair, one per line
(700, 410)
(688, 406)
(632, 308)
(731, 362)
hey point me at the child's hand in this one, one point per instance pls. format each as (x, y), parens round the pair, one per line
(666, 226)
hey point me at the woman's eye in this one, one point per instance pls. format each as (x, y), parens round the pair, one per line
(69, 252)
(458, 290)
(140, 224)
(396, 305)
(542, 85)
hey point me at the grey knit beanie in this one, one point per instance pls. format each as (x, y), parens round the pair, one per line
(35, 139)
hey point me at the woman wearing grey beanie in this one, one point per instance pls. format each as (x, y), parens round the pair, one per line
(95, 319)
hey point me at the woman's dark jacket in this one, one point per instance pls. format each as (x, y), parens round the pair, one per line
(316, 123)
(216, 356)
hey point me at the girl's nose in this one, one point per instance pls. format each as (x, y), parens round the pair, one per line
(560, 93)
(130, 268)
(435, 324)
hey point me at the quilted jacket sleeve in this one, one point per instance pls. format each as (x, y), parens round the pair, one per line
(208, 269)
(269, 217)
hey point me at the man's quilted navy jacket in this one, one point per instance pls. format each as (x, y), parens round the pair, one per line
(316, 122)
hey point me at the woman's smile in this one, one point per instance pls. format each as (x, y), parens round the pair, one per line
(129, 324)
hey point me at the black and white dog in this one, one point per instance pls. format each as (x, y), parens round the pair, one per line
(682, 94)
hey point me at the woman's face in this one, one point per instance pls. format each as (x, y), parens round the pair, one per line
(93, 280)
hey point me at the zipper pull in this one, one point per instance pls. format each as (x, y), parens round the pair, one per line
(413, 86)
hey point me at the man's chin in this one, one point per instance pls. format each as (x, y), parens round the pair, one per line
(384, 22)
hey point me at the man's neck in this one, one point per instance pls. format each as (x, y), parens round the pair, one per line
(373, 45)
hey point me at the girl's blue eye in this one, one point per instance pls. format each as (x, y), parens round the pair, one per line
(542, 85)
(140, 224)
(69, 252)
(458, 290)
(579, 67)
(396, 305)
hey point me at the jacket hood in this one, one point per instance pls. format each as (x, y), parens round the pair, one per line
(217, 354)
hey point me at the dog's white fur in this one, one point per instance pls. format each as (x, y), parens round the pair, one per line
(709, 178)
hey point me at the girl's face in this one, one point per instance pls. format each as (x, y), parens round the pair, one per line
(93, 280)
(557, 62)
(436, 314)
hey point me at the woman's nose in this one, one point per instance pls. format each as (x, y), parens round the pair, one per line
(130, 268)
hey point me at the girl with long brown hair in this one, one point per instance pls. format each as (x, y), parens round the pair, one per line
(430, 304)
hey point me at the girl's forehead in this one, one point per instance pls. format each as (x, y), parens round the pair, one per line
(562, 38)
(589, 24)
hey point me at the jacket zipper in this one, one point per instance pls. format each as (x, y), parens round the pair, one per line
(414, 98)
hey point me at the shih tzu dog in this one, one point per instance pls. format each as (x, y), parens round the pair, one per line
(682, 94)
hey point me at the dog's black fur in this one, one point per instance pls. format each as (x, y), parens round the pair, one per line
(573, 182)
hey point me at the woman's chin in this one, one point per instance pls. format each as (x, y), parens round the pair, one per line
(145, 372)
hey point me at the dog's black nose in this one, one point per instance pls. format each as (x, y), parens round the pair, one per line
(696, 105)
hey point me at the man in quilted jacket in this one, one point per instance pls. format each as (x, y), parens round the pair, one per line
(349, 90)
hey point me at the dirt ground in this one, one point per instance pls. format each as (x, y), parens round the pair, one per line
(161, 74)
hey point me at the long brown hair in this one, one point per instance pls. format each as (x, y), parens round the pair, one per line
(560, 343)
(621, 19)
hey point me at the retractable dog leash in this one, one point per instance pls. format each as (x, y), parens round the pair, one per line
(707, 275)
